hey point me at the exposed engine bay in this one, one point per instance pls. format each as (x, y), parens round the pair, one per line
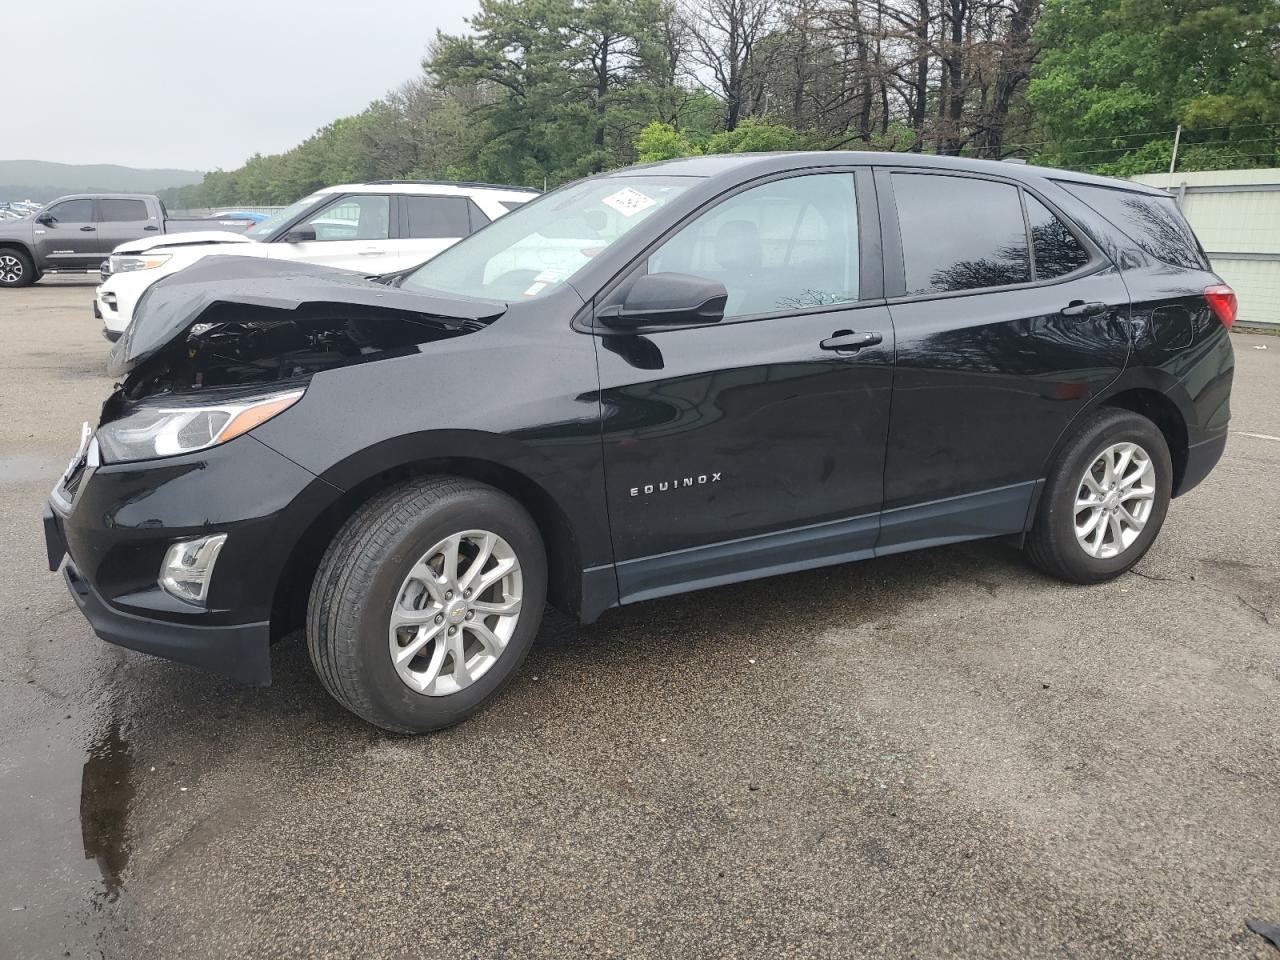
(235, 345)
(229, 325)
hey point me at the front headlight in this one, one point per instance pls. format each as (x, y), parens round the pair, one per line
(127, 264)
(159, 431)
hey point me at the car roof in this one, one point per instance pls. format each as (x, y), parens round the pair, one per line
(433, 187)
(746, 164)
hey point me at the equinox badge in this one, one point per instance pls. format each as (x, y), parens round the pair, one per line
(663, 486)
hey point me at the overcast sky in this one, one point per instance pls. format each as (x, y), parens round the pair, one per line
(200, 85)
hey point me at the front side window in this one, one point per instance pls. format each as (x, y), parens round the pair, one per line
(436, 217)
(960, 233)
(362, 217)
(540, 245)
(114, 210)
(787, 245)
(72, 211)
(1056, 250)
(269, 227)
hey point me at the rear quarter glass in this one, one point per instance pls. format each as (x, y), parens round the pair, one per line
(1152, 222)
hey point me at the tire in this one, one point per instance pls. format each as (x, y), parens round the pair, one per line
(377, 568)
(16, 269)
(1053, 544)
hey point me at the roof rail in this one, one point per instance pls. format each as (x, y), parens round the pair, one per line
(454, 183)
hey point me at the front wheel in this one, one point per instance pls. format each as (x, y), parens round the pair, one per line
(426, 603)
(16, 269)
(1105, 499)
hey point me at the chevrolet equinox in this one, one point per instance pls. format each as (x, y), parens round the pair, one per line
(654, 380)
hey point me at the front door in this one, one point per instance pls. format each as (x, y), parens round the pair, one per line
(66, 236)
(754, 445)
(352, 233)
(1008, 323)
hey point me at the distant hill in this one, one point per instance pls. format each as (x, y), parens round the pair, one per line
(40, 180)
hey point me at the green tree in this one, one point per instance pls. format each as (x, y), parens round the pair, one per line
(569, 80)
(1117, 76)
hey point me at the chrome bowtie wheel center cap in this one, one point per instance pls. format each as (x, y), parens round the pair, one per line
(458, 612)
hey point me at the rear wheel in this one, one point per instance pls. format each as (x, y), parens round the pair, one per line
(1105, 500)
(16, 269)
(426, 603)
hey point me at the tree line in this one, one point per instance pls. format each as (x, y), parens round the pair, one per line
(541, 92)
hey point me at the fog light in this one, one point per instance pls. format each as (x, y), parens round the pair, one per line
(188, 567)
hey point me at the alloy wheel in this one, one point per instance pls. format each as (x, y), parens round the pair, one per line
(10, 268)
(1114, 500)
(455, 612)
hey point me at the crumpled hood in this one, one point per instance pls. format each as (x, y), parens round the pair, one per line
(172, 305)
(191, 238)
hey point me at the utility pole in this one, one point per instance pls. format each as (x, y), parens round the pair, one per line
(1177, 137)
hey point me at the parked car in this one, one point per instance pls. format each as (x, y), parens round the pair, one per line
(250, 215)
(75, 232)
(652, 381)
(368, 227)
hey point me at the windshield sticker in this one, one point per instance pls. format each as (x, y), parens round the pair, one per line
(628, 201)
(536, 289)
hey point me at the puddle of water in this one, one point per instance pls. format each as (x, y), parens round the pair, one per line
(64, 835)
(106, 790)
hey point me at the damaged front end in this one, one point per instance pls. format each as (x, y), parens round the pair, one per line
(231, 328)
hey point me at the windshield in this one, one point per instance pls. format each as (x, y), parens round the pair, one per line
(266, 228)
(540, 245)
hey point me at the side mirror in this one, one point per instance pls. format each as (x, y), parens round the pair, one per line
(47, 219)
(668, 299)
(300, 234)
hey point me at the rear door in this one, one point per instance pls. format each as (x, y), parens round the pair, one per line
(353, 232)
(429, 224)
(756, 444)
(1008, 322)
(69, 240)
(124, 218)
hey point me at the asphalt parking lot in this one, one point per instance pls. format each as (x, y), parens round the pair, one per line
(937, 754)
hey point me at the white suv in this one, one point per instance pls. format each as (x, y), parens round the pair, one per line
(375, 227)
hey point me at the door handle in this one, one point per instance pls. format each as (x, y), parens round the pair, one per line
(1078, 308)
(848, 341)
(151, 226)
(372, 253)
(87, 229)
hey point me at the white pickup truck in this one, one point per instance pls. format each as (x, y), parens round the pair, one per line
(376, 227)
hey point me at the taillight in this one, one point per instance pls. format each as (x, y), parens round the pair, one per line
(1222, 301)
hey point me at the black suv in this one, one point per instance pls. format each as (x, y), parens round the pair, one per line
(651, 381)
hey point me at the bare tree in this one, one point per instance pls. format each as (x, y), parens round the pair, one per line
(724, 35)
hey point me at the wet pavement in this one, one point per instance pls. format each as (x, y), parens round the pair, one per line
(934, 754)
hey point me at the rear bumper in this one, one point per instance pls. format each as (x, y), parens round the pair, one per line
(242, 651)
(1202, 457)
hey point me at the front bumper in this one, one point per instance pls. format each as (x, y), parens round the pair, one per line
(240, 651)
(115, 522)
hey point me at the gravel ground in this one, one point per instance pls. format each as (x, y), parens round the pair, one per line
(936, 754)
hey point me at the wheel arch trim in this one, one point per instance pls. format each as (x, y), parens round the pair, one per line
(574, 583)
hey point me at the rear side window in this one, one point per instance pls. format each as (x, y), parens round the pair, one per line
(436, 217)
(1056, 250)
(1154, 223)
(112, 210)
(959, 233)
